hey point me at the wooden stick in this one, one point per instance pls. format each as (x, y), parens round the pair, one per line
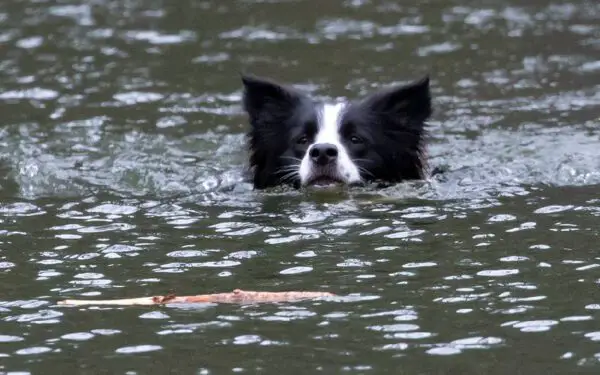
(237, 296)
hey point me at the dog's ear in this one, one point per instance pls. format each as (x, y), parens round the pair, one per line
(266, 97)
(411, 102)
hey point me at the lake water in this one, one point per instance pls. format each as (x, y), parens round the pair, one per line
(121, 159)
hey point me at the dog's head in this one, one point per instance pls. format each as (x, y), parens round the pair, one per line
(295, 140)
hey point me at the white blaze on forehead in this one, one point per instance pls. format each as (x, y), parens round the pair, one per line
(329, 124)
(330, 117)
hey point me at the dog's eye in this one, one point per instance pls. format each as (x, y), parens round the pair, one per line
(356, 140)
(302, 140)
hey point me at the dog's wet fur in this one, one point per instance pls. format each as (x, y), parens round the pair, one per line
(298, 141)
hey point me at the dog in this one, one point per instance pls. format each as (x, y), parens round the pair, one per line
(295, 140)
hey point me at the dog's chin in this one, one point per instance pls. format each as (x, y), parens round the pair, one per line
(324, 181)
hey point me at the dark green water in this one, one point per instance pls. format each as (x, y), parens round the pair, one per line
(121, 151)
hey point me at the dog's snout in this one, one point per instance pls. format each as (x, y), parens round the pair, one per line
(323, 153)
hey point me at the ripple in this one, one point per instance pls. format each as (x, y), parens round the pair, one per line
(594, 336)
(334, 28)
(154, 315)
(251, 33)
(170, 121)
(290, 315)
(350, 222)
(155, 37)
(93, 282)
(138, 349)
(539, 247)
(113, 209)
(405, 234)
(394, 327)
(31, 42)
(66, 227)
(444, 350)
(247, 339)
(376, 231)
(244, 254)
(590, 66)
(438, 48)
(120, 248)
(20, 208)
(214, 58)
(296, 270)
(78, 336)
(535, 325)
(309, 217)
(412, 335)
(40, 317)
(523, 226)
(105, 332)
(576, 318)
(136, 97)
(477, 342)
(88, 275)
(354, 263)
(8, 338)
(501, 218)
(106, 228)
(35, 93)
(409, 314)
(498, 273)
(66, 236)
(190, 253)
(553, 209)
(180, 266)
(34, 350)
(79, 13)
(514, 258)
(419, 265)
(292, 238)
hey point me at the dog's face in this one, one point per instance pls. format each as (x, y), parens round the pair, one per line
(295, 140)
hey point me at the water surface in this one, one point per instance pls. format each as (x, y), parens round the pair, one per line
(121, 159)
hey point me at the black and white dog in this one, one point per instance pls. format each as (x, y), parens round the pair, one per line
(297, 141)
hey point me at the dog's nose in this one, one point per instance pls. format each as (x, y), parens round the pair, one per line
(323, 153)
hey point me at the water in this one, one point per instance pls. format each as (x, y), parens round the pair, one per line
(121, 158)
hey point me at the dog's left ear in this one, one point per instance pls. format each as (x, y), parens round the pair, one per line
(411, 102)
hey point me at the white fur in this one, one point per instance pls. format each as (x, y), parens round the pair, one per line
(329, 125)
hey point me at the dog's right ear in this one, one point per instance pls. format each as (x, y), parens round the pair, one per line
(266, 97)
(408, 103)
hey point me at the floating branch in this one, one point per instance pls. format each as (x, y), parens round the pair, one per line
(237, 296)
